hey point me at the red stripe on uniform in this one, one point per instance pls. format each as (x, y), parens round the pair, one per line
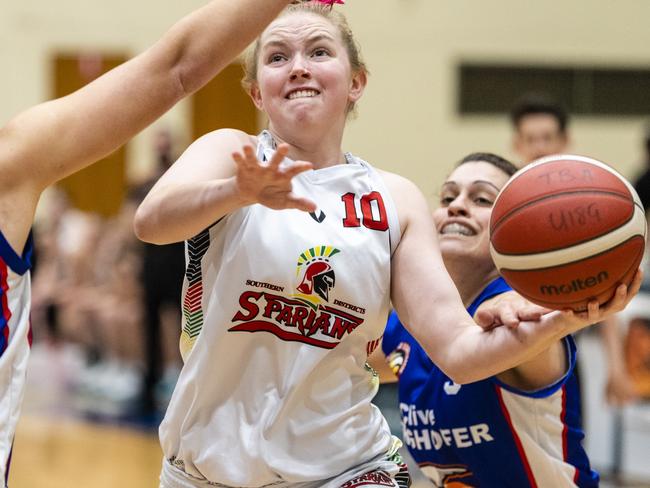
(520, 447)
(6, 313)
(565, 427)
(30, 334)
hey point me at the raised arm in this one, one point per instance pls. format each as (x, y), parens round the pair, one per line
(428, 304)
(54, 139)
(57, 138)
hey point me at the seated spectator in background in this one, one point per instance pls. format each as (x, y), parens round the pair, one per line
(87, 293)
(163, 268)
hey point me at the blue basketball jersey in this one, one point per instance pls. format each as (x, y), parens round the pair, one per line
(487, 433)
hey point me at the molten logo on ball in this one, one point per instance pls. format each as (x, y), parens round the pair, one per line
(575, 285)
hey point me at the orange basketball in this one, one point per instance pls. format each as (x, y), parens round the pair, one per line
(567, 229)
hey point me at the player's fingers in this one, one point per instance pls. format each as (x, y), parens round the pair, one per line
(297, 168)
(593, 311)
(485, 319)
(509, 317)
(238, 158)
(532, 313)
(619, 300)
(300, 203)
(249, 154)
(242, 164)
(635, 285)
(245, 159)
(279, 155)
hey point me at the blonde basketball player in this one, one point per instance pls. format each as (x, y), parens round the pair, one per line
(291, 268)
(57, 138)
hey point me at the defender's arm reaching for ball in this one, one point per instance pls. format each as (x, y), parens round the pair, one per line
(50, 141)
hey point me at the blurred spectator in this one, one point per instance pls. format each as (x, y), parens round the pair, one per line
(637, 344)
(162, 279)
(103, 298)
(540, 127)
(86, 293)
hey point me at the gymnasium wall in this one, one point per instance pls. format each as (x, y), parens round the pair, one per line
(407, 119)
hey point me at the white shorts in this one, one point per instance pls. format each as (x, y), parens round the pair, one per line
(387, 470)
(13, 369)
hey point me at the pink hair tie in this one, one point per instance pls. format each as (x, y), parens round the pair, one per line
(331, 2)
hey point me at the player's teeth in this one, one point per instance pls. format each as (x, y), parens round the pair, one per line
(456, 228)
(303, 94)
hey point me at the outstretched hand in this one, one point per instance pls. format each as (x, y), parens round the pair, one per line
(597, 313)
(508, 309)
(268, 183)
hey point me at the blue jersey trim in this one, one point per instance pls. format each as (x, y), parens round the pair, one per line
(570, 349)
(18, 264)
(392, 333)
(496, 287)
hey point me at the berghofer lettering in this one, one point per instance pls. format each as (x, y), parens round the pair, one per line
(419, 431)
(575, 285)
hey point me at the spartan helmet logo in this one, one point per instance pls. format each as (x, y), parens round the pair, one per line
(316, 275)
(318, 279)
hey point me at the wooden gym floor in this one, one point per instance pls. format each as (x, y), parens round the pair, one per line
(63, 453)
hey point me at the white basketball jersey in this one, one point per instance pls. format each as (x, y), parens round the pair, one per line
(15, 299)
(281, 309)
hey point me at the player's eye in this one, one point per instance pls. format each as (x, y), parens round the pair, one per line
(319, 52)
(484, 201)
(446, 200)
(276, 57)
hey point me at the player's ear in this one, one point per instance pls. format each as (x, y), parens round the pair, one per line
(358, 85)
(256, 96)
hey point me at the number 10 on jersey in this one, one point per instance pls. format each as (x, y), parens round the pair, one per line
(372, 209)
